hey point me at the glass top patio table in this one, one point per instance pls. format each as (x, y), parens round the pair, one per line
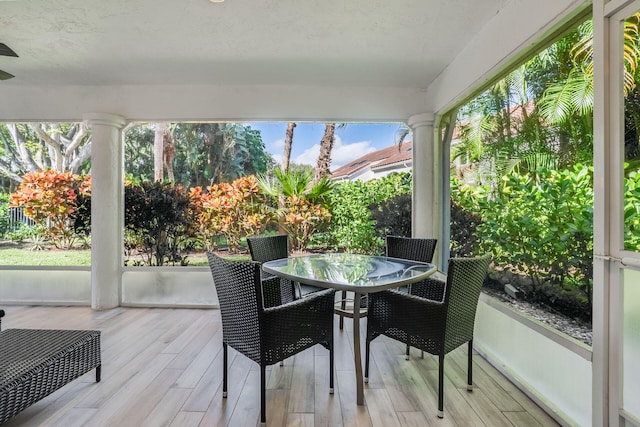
(360, 274)
(350, 272)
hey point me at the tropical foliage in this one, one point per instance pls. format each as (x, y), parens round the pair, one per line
(302, 202)
(51, 199)
(353, 228)
(205, 153)
(157, 221)
(233, 210)
(199, 154)
(33, 147)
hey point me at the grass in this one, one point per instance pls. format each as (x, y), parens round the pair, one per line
(24, 256)
(15, 254)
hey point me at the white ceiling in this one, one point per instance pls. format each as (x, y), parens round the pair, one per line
(337, 43)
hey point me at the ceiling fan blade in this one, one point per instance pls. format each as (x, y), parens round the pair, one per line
(7, 51)
(5, 76)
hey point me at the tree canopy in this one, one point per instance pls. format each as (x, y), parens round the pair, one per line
(200, 153)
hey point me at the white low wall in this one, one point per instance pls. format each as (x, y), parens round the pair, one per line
(185, 287)
(168, 287)
(45, 285)
(551, 368)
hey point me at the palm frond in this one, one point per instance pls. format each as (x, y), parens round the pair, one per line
(558, 102)
(320, 190)
(583, 93)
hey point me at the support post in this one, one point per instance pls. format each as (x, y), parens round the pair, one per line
(107, 209)
(426, 200)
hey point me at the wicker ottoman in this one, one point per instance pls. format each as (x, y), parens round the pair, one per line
(36, 362)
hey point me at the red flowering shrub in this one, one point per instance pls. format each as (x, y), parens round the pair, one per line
(302, 218)
(49, 198)
(233, 210)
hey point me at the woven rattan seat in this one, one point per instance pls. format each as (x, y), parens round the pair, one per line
(36, 362)
(267, 335)
(436, 316)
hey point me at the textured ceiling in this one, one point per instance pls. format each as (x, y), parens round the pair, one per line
(394, 43)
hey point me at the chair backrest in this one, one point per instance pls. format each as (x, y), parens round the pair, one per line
(239, 292)
(465, 277)
(412, 248)
(268, 248)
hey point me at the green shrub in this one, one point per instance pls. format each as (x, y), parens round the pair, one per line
(81, 218)
(157, 221)
(464, 240)
(541, 227)
(4, 215)
(393, 216)
(353, 227)
(22, 232)
(632, 211)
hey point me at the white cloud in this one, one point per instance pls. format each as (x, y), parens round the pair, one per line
(308, 156)
(342, 153)
(277, 158)
(276, 145)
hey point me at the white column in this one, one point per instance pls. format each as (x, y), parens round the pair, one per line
(605, 371)
(426, 203)
(107, 208)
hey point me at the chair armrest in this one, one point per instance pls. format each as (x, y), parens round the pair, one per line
(431, 288)
(316, 302)
(410, 313)
(396, 297)
(1, 316)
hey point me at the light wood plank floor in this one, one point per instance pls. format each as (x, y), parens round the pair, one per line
(163, 367)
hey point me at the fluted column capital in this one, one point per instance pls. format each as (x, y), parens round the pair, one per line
(105, 119)
(420, 120)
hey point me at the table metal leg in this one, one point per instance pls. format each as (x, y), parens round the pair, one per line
(356, 349)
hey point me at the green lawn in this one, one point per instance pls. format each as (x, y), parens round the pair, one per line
(15, 254)
(25, 256)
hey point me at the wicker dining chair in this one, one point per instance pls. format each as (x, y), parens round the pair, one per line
(414, 249)
(267, 335)
(267, 248)
(436, 316)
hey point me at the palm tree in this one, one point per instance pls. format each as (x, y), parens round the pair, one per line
(158, 151)
(288, 141)
(324, 158)
(573, 96)
(304, 202)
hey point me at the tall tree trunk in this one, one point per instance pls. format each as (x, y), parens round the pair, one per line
(324, 158)
(158, 151)
(169, 153)
(25, 155)
(288, 141)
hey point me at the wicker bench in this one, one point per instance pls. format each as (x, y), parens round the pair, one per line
(36, 362)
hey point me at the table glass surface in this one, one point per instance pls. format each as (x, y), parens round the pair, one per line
(350, 271)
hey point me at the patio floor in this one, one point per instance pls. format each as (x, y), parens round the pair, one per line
(164, 367)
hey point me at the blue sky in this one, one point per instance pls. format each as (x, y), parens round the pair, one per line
(352, 141)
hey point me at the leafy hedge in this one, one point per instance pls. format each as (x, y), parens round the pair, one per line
(540, 226)
(353, 227)
(632, 211)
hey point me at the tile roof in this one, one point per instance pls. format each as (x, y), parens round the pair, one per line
(385, 156)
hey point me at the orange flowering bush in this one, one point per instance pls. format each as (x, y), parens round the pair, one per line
(233, 210)
(302, 218)
(50, 199)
